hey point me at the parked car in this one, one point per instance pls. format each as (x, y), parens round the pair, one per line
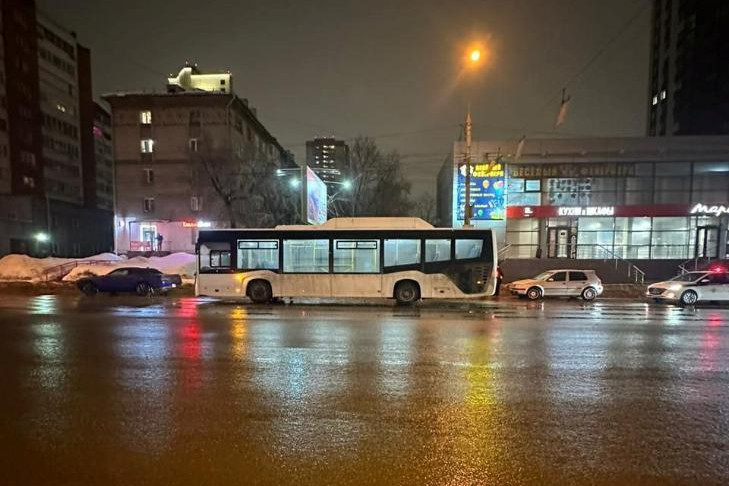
(143, 281)
(559, 283)
(692, 288)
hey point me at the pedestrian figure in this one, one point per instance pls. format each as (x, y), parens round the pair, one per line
(160, 239)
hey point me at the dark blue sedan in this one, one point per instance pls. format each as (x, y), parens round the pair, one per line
(143, 281)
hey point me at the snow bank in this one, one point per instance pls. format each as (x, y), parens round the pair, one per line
(23, 267)
(183, 264)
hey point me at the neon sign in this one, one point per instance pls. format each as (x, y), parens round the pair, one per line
(197, 224)
(717, 210)
(587, 211)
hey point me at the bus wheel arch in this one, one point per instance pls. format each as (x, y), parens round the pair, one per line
(259, 291)
(407, 292)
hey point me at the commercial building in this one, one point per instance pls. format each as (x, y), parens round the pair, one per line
(689, 83)
(633, 198)
(47, 162)
(328, 157)
(179, 154)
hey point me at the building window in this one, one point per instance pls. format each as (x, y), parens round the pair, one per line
(27, 158)
(222, 82)
(196, 203)
(655, 100)
(147, 146)
(148, 204)
(194, 144)
(145, 117)
(664, 94)
(356, 256)
(257, 254)
(28, 181)
(149, 176)
(306, 256)
(402, 252)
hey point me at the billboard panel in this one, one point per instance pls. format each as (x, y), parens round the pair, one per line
(487, 191)
(316, 198)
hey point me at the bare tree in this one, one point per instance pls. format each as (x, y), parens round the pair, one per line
(244, 183)
(378, 185)
(424, 208)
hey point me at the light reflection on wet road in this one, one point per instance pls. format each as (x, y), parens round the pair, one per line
(180, 391)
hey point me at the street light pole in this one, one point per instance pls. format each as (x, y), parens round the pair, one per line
(467, 202)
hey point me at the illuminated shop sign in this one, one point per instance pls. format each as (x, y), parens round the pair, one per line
(197, 224)
(587, 211)
(715, 210)
(571, 170)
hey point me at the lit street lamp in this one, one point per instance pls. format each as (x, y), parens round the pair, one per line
(42, 237)
(474, 60)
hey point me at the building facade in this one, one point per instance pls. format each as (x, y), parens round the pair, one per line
(46, 146)
(633, 198)
(328, 158)
(689, 85)
(168, 150)
(104, 158)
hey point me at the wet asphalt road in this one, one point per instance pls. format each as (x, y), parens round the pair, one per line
(180, 391)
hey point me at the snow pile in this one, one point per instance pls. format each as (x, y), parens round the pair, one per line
(23, 267)
(183, 264)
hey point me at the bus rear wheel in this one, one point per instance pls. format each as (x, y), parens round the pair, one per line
(260, 291)
(407, 292)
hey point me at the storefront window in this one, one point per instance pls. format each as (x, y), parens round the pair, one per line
(522, 235)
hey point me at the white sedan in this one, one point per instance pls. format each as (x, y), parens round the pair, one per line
(691, 288)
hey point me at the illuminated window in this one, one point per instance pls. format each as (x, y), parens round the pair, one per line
(437, 250)
(194, 144)
(258, 254)
(196, 203)
(356, 256)
(402, 252)
(145, 117)
(655, 100)
(147, 146)
(664, 95)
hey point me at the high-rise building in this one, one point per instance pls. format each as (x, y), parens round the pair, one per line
(179, 154)
(327, 157)
(47, 163)
(104, 157)
(689, 82)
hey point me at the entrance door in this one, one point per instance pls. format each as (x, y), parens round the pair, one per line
(559, 244)
(707, 242)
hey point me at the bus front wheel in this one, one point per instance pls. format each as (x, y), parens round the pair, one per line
(407, 292)
(260, 291)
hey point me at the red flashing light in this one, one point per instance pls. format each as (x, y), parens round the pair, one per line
(717, 269)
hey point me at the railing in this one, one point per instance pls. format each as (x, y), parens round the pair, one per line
(59, 271)
(685, 268)
(503, 252)
(634, 272)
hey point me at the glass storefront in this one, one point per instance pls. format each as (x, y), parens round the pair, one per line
(657, 238)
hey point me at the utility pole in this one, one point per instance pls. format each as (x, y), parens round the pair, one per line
(467, 203)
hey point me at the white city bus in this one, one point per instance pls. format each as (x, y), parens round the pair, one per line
(398, 258)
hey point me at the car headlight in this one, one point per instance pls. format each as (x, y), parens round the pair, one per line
(675, 287)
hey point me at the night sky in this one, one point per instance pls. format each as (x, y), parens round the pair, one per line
(388, 69)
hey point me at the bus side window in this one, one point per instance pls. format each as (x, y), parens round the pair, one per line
(214, 255)
(468, 249)
(437, 250)
(402, 252)
(258, 254)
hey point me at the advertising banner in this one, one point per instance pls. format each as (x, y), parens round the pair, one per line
(487, 191)
(316, 198)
